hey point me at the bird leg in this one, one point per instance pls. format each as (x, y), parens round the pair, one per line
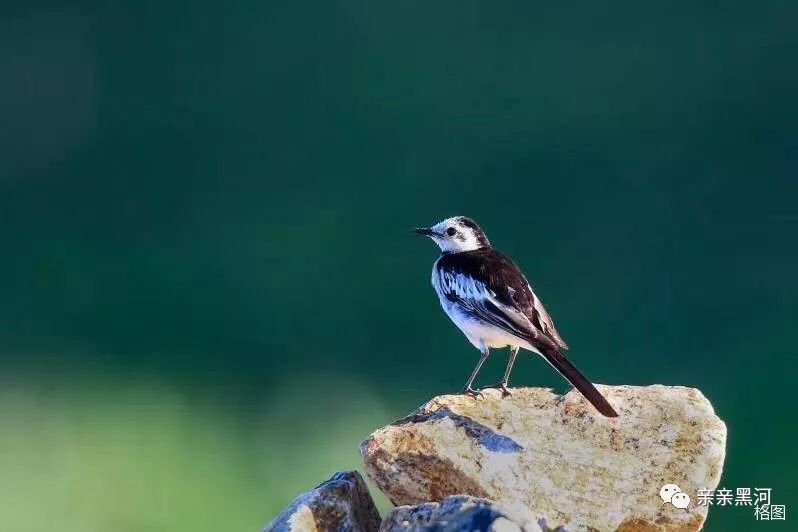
(467, 389)
(502, 385)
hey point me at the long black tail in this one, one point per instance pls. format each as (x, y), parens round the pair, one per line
(579, 381)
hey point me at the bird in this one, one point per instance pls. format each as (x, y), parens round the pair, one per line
(490, 300)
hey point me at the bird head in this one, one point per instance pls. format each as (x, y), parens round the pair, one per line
(456, 234)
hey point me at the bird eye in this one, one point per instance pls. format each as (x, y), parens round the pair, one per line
(451, 231)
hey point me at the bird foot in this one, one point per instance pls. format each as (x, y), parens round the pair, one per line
(500, 386)
(476, 394)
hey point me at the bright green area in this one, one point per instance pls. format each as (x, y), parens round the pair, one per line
(208, 292)
(135, 457)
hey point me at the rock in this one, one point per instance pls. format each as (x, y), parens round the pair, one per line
(341, 503)
(556, 456)
(462, 513)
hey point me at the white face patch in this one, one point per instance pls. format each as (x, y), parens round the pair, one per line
(453, 236)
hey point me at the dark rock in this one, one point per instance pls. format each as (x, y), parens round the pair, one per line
(340, 504)
(462, 513)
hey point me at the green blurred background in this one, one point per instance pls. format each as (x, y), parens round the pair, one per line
(208, 292)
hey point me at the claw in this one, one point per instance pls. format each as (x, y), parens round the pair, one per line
(500, 386)
(476, 394)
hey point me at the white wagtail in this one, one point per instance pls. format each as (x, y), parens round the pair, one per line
(489, 299)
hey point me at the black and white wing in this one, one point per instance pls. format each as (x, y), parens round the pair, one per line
(489, 286)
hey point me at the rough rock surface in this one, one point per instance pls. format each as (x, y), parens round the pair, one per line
(556, 456)
(341, 503)
(462, 513)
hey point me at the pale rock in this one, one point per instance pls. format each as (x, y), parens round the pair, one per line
(341, 503)
(557, 457)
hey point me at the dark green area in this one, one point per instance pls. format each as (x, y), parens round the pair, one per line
(213, 201)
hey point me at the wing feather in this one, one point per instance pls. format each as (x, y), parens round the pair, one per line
(539, 313)
(481, 302)
(485, 278)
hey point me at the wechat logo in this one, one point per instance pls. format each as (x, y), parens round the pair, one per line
(671, 493)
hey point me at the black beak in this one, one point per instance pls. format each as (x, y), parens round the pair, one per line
(426, 231)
